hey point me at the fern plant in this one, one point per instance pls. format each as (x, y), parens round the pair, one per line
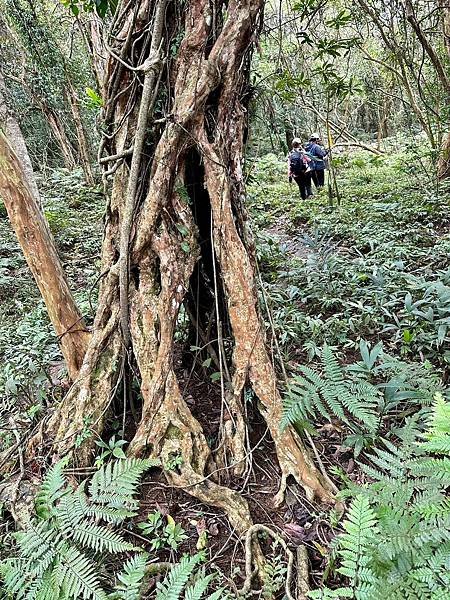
(58, 552)
(359, 394)
(396, 544)
(352, 400)
(63, 552)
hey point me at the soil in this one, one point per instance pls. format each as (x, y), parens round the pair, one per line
(294, 245)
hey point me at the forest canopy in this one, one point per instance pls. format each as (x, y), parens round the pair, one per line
(225, 296)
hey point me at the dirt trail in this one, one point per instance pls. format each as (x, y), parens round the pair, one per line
(293, 243)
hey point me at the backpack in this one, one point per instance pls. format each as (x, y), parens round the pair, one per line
(297, 163)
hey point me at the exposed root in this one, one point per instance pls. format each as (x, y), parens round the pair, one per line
(232, 448)
(251, 573)
(302, 573)
(175, 437)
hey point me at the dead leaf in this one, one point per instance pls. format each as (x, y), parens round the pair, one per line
(213, 528)
(295, 531)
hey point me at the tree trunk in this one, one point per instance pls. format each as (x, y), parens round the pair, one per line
(98, 49)
(186, 244)
(14, 133)
(398, 53)
(59, 133)
(83, 144)
(35, 239)
(444, 158)
(427, 47)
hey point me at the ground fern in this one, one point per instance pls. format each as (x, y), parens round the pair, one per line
(333, 394)
(396, 539)
(58, 552)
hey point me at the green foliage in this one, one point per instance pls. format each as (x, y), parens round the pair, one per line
(360, 394)
(114, 448)
(330, 395)
(396, 543)
(377, 266)
(130, 578)
(61, 550)
(173, 585)
(101, 7)
(274, 575)
(170, 535)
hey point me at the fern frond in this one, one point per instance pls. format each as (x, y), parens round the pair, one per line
(116, 483)
(439, 444)
(53, 487)
(131, 578)
(388, 463)
(331, 395)
(360, 530)
(46, 589)
(196, 591)
(73, 508)
(434, 468)
(110, 514)
(16, 578)
(332, 368)
(76, 575)
(38, 541)
(99, 538)
(176, 579)
(300, 402)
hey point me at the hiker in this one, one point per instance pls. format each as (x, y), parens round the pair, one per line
(299, 169)
(317, 153)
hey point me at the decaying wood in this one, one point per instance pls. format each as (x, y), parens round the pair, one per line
(36, 241)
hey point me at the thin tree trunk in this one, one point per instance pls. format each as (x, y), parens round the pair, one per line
(99, 54)
(432, 54)
(60, 135)
(444, 158)
(37, 245)
(83, 145)
(398, 53)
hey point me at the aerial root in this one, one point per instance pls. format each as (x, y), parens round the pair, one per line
(170, 430)
(250, 573)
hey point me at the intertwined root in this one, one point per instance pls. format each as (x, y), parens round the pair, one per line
(208, 115)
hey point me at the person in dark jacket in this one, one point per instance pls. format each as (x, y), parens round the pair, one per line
(299, 168)
(317, 153)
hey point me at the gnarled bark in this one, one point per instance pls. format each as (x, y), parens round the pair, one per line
(180, 199)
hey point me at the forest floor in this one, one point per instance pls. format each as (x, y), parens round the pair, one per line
(368, 276)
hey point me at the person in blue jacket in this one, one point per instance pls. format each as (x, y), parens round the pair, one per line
(317, 153)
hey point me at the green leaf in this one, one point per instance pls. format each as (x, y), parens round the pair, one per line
(118, 452)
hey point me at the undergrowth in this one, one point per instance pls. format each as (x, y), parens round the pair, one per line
(358, 298)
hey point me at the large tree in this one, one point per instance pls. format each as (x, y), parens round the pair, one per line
(177, 244)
